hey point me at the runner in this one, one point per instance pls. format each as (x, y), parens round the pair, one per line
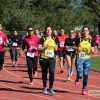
(3, 43)
(83, 61)
(61, 49)
(47, 46)
(55, 34)
(37, 33)
(25, 35)
(97, 43)
(15, 47)
(70, 54)
(31, 42)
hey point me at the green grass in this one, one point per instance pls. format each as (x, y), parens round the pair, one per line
(95, 63)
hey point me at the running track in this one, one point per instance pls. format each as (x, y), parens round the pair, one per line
(14, 84)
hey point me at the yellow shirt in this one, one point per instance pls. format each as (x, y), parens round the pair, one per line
(85, 52)
(49, 52)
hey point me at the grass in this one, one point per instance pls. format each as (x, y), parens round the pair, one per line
(95, 63)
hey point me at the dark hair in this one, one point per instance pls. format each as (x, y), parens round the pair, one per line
(85, 27)
(29, 27)
(47, 27)
(62, 28)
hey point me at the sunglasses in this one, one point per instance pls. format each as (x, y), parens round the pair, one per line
(72, 32)
(30, 30)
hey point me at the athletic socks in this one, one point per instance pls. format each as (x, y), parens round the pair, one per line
(70, 71)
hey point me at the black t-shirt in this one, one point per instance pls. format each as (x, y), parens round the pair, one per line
(70, 42)
(78, 40)
(13, 39)
(41, 41)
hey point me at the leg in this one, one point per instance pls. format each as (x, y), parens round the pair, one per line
(68, 58)
(79, 68)
(13, 56)
(35, 64)
(16, 56)
(2, 53)
(44, 68)
(86, 69)
(73, 54)
(61, 60)
(51, 72)
(30, 66)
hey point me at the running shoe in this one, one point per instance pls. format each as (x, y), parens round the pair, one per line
(84, 92)
(77, 82)
(51, 91)
(30, 83)
(61, 70)
(19, 55)
(69, 77)
(45, 90)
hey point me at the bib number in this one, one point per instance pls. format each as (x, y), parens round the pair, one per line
(83, 55)
(70, 48)
(49, 53)
(1, 40)
(62, 44)
(30, 54)
(14, 44)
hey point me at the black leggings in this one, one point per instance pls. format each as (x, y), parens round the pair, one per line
(32, 63)
(2, 53)
(45, 65)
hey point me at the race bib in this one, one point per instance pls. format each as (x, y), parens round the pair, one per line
(1, 40)
(14, 44)
(30, 54)
(62, 44)
(70, 48)
(49, 53)
(83, 55)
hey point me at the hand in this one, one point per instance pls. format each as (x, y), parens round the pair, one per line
(66, 47)
(25, 50)
(35, 48)
(56, 48)
(16, 39)
(79, 49)
(48, 45)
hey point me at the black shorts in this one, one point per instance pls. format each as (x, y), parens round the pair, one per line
(62, 53)
(71, 54)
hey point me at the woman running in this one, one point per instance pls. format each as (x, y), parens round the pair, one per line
(15, 47)
(31, 43)
(83, 61)
(70, 54)
(47, 46)
(3, 42)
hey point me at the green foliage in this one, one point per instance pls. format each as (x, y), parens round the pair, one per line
(18, 14)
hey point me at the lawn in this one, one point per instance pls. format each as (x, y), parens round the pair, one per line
(95, 63)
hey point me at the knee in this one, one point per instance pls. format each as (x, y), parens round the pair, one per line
(61, 59)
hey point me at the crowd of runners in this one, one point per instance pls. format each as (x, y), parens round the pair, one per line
(46, 47)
